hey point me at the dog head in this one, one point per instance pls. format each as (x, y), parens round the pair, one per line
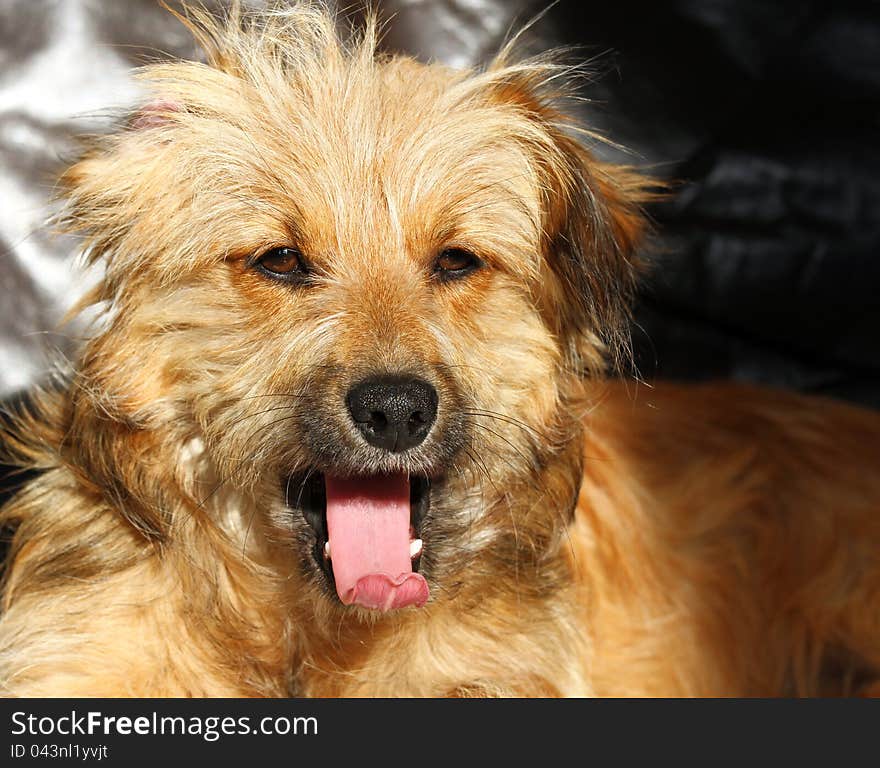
(360, 293)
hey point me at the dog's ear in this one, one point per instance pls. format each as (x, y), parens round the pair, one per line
(108, 192)
(595, 233)
(156, 113)
(150, 178)
(593, 227)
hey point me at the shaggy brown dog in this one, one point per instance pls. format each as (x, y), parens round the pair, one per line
(342, 429)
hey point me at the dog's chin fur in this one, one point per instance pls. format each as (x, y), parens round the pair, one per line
(582, 538)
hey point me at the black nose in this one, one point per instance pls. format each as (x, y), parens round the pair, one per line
(393, 412)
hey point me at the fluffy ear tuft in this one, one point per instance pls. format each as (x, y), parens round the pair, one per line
(596, 249)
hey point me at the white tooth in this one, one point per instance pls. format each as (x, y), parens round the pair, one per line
(415, 548)
(327, 550)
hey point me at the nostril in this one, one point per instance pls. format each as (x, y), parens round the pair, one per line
(378, 420)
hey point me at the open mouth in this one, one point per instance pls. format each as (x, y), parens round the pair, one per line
(367, 535)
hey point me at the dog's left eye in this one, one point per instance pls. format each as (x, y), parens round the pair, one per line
(283, 264)
(454, 263)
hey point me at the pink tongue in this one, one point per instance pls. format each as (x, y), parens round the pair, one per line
(368, 529)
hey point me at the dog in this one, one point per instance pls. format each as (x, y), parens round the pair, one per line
(345, 424)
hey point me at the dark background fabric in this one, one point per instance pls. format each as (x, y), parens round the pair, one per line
(765, 114)
(768, 113)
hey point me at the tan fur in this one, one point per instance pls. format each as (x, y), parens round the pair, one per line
(588, 537)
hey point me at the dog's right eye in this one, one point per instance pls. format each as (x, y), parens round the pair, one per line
(285, 264)
(455, 263)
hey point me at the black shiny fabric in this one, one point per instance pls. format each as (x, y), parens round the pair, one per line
(766, 113)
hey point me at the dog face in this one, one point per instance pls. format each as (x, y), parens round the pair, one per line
(359, 292)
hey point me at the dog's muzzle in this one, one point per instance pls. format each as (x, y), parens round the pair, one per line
(370, 484)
